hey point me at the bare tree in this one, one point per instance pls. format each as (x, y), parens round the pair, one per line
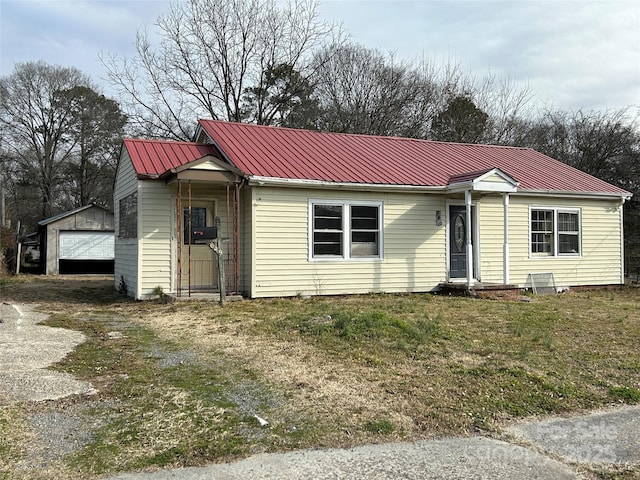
(360, 90)
(602, 144)
(284, 99)
(35, 123)
(58, 141)
(210, 53)
(506, 105)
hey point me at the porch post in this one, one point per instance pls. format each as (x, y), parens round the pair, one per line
(469, 233)
(505, 247)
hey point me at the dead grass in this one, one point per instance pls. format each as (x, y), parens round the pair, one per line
(481, 362)
(344, 370)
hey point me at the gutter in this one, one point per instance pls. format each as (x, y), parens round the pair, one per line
(256, 180)
(577, 194)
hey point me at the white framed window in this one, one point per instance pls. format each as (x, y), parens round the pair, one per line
(345, 230)
(554, 232)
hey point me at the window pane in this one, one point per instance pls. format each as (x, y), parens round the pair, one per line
(327, 243)
(568, 243)
(567, 222)
(327, 217)
(364, 237)
(128, 218)
(198, 220)
(542, 232)
(364, 218)
(364, 231)
(327, 230)
(323, 223)
(330, 211)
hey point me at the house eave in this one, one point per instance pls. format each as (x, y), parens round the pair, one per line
(256, 180)
(575, 194)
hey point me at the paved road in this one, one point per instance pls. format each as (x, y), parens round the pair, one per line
(447, 459)
(601, 438)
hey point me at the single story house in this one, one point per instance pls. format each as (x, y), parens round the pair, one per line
(314, 213)
(78, 241)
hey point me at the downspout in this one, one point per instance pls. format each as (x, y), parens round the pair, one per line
(467, 199)
(505, 247)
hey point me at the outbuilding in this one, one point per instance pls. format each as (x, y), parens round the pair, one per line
(79, 241)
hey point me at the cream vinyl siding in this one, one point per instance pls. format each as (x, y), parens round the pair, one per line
(158, 242)
(247, 218)
(491, 238)
(155, 217)
(600, 261)
(414, 257)
(126, 249)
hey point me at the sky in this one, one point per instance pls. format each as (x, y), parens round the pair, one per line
(571, 54)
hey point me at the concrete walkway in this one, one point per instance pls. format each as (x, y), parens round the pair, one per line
(27, 349)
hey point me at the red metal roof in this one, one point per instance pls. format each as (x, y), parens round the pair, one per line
(346, 158)
(152, 158)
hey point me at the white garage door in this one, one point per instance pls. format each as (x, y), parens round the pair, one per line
(86, 246)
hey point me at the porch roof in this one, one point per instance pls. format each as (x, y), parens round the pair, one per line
(157, 158)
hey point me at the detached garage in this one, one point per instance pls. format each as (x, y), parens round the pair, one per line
(77, 242)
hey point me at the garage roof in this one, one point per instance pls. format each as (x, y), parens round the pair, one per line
(59, 216)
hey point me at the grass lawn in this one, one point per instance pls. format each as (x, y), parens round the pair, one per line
(180, 384)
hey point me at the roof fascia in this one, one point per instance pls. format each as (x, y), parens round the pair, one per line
(205, 176)
(200, 130)
(62, 215)
(256, 180)
(224, 166)
(574, 194)
(320, 184)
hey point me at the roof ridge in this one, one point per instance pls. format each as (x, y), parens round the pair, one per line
(360, 135)
(158, 140)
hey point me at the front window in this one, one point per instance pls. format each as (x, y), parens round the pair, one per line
(345, 230)
(555, 232)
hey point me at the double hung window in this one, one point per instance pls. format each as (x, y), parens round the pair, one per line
(555, 232)
(345, 230)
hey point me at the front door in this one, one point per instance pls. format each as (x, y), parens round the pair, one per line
(457, 241)
(198, 260)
